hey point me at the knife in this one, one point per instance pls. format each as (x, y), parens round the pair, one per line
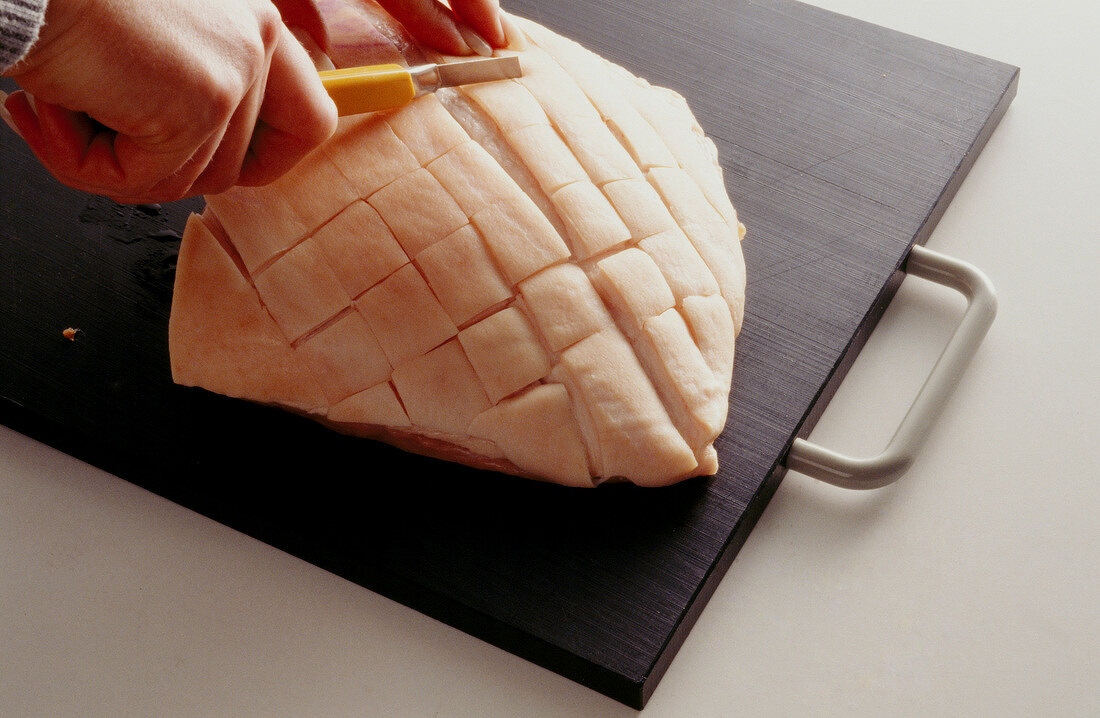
(356, 90)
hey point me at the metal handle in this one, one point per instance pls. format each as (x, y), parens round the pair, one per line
(872, 473)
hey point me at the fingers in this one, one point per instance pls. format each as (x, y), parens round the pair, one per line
(203, 140)
(25, 122)
(182, 183)
(296, 115)
(484, 17)
(284, 115)
(223, 127)
(223, 169)
(147, 161)
(86, 155)
(304, 14)
(81, 152)
(430, 22)
(61, 139)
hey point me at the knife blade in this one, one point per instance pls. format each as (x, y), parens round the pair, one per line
(371, 88)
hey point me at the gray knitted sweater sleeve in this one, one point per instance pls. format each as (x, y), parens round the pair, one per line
(19, 24)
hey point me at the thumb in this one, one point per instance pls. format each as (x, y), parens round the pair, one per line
(296, 115)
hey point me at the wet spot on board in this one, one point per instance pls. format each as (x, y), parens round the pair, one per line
(166, 235)
(127, 224)
(155, 272)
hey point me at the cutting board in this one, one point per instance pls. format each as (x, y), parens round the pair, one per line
(842, 144)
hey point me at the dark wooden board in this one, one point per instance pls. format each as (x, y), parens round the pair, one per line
(842, 144)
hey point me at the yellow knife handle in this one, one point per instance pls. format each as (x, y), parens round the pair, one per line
(356, 90)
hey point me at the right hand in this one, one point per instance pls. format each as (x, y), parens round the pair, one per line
(160, 99)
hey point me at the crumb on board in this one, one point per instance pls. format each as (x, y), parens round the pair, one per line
(70, 333)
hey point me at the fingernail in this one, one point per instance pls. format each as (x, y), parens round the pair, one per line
(464, 47)
(6, 115)
(476, 42)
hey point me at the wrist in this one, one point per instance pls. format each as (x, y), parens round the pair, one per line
(55, 31)
(20, 22)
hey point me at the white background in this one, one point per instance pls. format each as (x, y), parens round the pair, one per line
(969, 588)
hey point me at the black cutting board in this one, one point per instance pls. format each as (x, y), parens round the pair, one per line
(842, 144)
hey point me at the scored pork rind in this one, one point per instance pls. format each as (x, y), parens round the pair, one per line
(540, 276)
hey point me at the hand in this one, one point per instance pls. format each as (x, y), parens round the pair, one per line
(156, 100)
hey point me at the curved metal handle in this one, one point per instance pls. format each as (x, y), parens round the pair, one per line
(872, 473)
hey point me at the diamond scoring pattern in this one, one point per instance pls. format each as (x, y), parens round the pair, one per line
(428, 291)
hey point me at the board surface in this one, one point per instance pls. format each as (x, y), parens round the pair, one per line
(842, 144)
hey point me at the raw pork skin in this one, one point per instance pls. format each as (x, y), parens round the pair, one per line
(540, 276)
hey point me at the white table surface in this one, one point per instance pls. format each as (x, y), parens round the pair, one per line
(969, 588)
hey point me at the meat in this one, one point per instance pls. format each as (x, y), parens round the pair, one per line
(539, 276)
